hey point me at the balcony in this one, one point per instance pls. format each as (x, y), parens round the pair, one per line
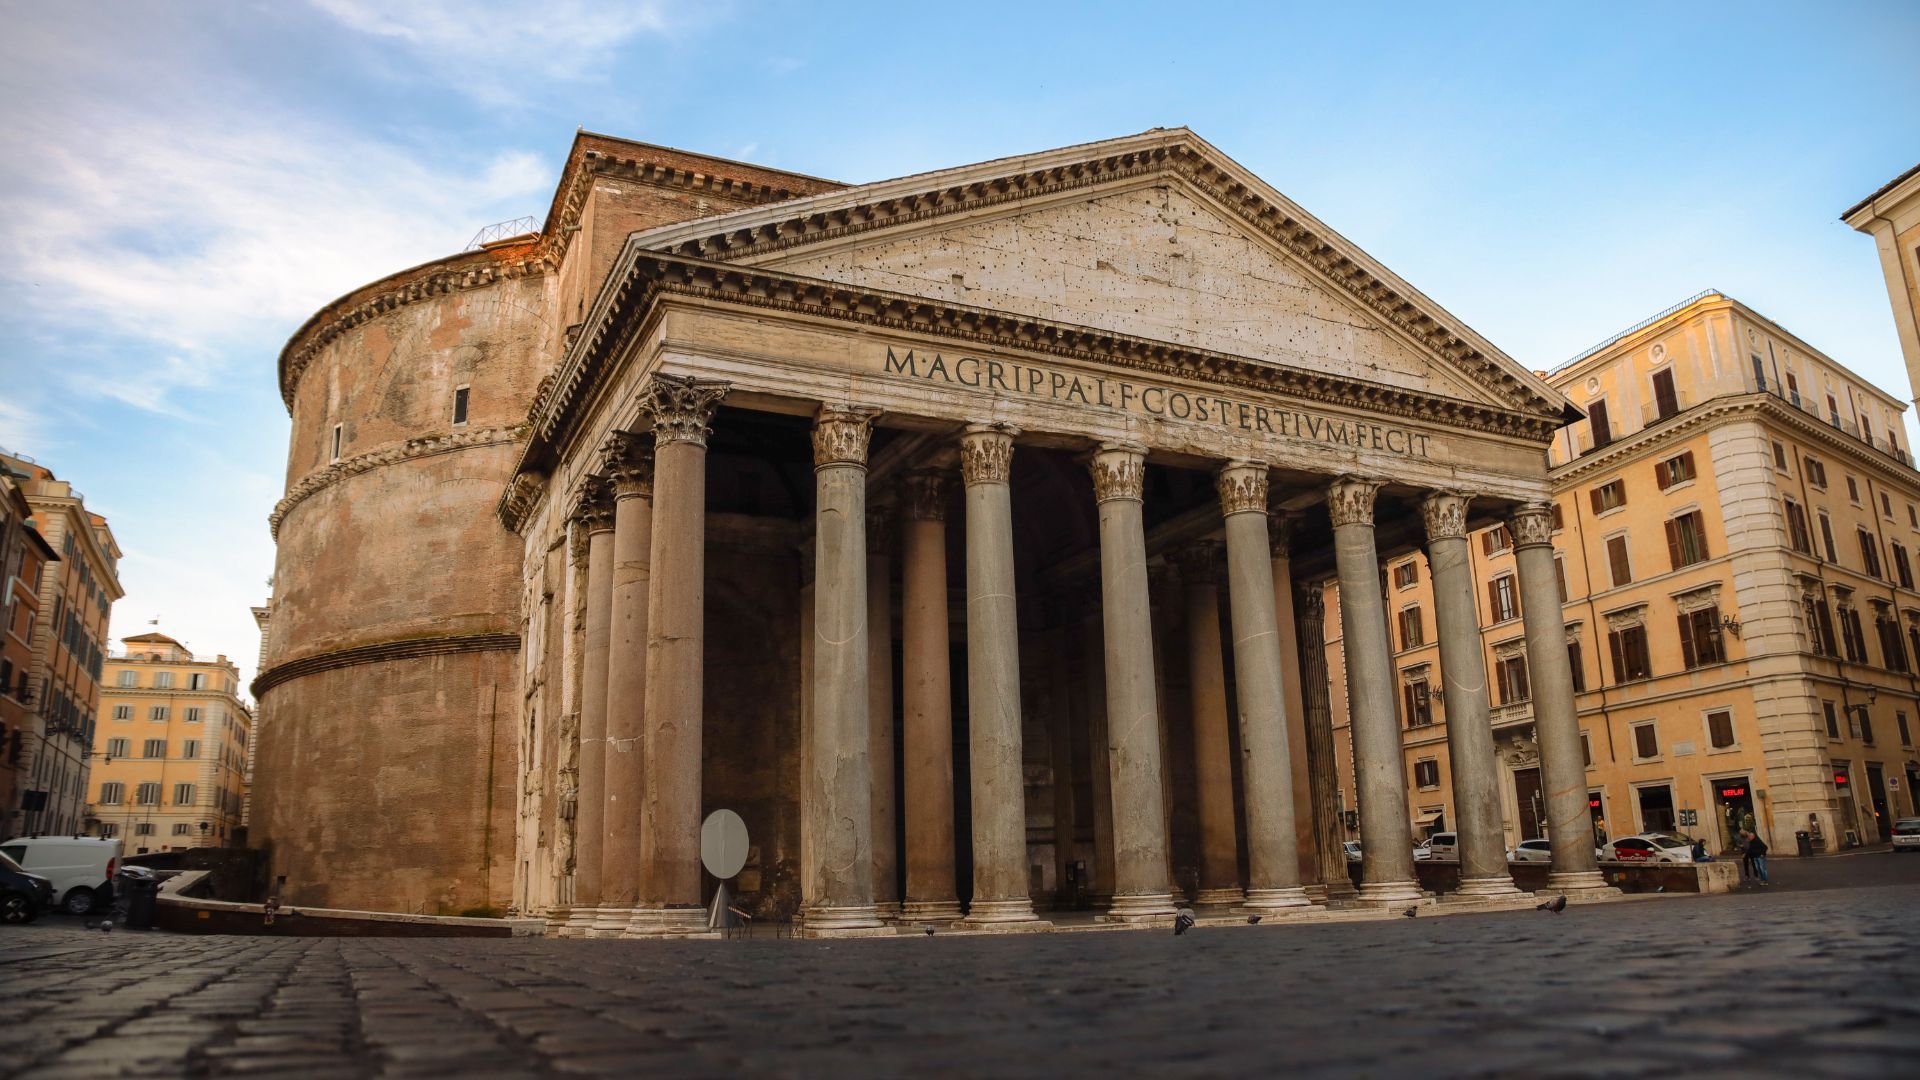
(1793, 399)
(1519, 712)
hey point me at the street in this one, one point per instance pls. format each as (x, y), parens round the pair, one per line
(1812, 977)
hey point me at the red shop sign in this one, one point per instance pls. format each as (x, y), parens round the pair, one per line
(1839, 779)
(1734, 792)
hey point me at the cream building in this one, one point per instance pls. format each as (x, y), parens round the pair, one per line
(1891, 216)
(949, 528)
(170, 748)
(1735, 532)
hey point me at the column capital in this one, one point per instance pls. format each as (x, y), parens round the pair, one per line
(924, 492)
(592, 509)
(880, 518)
(626, 460)
(1531, 525)
(1310, 602)
(1446, 515)
(986, 453)
(1350, 500)
(1281, 526)
(1198, 562)
(681, 407)
(1242, 486)
(841, 434)
(1119, 471)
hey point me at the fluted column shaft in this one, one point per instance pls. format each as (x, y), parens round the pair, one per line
(841, 806)
(1386, 833)
(594, 516)
(886, 806)
(1463, 672)
(1556, 718)
(670, 899)
(629, 464)
(1133, 725)
(1323, 764)
(927, 703)
(1273, 857)
(1212, 745)
(993, 685)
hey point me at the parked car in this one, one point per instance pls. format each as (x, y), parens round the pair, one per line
(1352, 848)
(1421, 852)
(80, 867)
(1540, 850)
(1443, 847)
(23, 896)
(1906, 834)
(1649, 847)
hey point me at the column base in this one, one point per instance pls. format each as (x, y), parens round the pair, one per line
(888, 910)
(827, 920)
(667, 922)
(1340, 892)
(1559, 881)
(579, 921)
(1496, 887)
(1000, 915)
(1227, 897)
(1316, 893)
(609, 922)
(1140, 909)
(557, 921)
(1264, 901)
(930, 911)
(1390, 892)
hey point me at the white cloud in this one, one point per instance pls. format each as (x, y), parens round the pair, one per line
(482, 46)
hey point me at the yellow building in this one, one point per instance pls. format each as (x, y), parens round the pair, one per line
(1736, 527)
(170, 748)
(1891, 216)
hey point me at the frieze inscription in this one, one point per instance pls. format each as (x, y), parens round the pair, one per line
(1146, 399)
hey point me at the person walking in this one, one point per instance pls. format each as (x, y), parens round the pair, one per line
(1756, 853)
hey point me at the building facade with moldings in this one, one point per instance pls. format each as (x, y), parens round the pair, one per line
(170, 748)
(23, 552)
(1736, 535)
(962, 532)
(1891, 215)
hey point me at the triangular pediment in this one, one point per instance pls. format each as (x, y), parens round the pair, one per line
(1157, 236)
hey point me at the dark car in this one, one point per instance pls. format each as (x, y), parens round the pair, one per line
(23, 896)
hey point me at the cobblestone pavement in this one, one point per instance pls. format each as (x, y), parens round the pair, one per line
(1803, 982)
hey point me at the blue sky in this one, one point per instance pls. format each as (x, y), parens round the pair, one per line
(182, 184)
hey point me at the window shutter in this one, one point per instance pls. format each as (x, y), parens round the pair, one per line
(1521, 691)
(1406, 706)
(1593, 496)
(1486, 542)
(1660, 474)
(1687, 655)
(1493, 599)
(1619, 656)
(1673, 544)
(1617, 560)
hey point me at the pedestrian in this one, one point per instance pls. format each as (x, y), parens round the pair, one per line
(1756, 854)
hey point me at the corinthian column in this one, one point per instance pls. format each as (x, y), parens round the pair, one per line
(1140, 891)
(1273, 857)
(1000, 897)
(1386, 834)
(1463, 671)
(926, 702)
(841, 806)
(886, 814)
(1212, 746)
(670, 900)
(1555, 717)
(628, 462)
(594, 516)
(1287, 628)
(1323, 765)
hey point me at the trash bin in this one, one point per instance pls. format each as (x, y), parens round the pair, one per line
(1803, 842)
(143, 895)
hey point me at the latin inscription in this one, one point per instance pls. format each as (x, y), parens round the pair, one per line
(1160, 402)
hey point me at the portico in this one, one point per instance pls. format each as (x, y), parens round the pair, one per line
(1125, 407)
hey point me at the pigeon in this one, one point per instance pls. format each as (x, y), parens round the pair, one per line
(1412, 912)
(1556, 905)
(1182, 921)
(1253, 920)
(929, 929)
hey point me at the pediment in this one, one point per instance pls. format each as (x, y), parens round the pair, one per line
(1157, 236)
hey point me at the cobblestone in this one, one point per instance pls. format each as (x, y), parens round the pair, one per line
(1800, 980)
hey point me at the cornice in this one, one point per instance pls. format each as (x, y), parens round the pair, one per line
(384, 652)
(645, 276)
(751, 235)
(1808, 428)
(425, 446)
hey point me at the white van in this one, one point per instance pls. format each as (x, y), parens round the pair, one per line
(80, 867)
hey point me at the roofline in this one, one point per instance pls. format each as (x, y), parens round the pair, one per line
(1850, 211)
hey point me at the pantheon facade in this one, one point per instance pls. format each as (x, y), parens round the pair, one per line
(966, 533)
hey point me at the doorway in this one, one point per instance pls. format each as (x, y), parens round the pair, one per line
(1877, 796)
(1656, 808)
(1733, 799)
(1533, 811)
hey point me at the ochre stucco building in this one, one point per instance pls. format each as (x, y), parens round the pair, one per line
(960, 531)
(170, 748)
(1737, 531)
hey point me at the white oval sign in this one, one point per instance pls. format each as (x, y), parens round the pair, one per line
(723, 844)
